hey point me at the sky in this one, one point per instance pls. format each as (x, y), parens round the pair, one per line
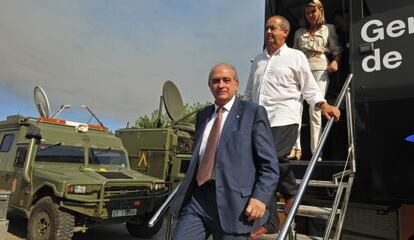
(113, 56)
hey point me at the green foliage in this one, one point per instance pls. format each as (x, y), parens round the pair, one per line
(151, 121)
(193, 108)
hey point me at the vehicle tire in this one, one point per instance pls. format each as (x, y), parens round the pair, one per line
(48, 222)
(142, 230)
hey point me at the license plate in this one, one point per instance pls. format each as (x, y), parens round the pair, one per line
(124, 212)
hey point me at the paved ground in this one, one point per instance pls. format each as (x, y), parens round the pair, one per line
(17, 231)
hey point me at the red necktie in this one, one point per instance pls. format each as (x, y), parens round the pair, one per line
(206, 168)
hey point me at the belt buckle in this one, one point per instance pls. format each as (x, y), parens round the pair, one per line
(310, 54)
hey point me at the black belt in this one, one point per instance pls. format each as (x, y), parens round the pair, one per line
(210, 182)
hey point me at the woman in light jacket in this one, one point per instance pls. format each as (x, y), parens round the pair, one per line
(317, 40)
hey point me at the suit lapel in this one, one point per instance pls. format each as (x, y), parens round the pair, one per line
(232, 122)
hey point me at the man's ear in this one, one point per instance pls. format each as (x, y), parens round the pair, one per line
(286, 32)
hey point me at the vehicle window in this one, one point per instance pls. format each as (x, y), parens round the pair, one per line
(20, 156)
(107, 157)
(6, 142)
(59, 154)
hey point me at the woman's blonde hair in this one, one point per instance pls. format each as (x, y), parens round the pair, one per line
(321, 20)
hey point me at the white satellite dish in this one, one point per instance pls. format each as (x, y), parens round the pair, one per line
(41, 101)
(173, 101)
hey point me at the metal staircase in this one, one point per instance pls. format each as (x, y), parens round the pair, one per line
(341, 183)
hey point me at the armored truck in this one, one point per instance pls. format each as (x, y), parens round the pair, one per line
(160, 152)
(64, 176)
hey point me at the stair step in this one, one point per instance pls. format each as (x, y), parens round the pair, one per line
(311, 211)
(320, 183)
(298, 237)
(323, 170)
(315, 212)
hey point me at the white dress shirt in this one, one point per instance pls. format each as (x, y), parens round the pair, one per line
(280, 82)
(210, 123)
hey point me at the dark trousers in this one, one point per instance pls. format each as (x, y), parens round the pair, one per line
(199, 218)
(284, 138)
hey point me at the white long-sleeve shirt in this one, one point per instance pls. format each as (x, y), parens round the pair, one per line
(280, 82)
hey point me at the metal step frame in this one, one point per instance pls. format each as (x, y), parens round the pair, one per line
(343, 188)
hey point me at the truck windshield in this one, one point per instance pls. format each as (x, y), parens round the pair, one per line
(59, 154)
(107, 157)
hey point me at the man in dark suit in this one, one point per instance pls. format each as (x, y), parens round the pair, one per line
(226, 197)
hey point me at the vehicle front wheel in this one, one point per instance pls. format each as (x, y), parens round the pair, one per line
(48, 222)
(142, 230)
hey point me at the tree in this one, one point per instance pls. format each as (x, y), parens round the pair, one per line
(151, 121)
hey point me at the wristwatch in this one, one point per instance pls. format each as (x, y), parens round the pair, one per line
(319, 104)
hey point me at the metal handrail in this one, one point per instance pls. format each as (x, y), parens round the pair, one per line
(312, 163)
(164, 206)
(353, 166)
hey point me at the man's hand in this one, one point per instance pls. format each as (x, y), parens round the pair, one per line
(330, 111)
(255, 209)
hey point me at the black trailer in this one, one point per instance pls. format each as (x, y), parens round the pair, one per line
(378, 47)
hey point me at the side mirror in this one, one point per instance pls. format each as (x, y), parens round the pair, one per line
(33, 133)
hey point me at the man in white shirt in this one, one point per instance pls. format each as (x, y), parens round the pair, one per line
(280, 78)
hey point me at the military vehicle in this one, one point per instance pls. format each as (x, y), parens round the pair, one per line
(64, 176)
(162, 152)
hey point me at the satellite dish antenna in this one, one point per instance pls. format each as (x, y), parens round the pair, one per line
(41, 101)
(172, 101)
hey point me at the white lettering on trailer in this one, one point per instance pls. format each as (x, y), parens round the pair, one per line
(396, 28)
(410, 25)
(391, 60)
(373, 31)
(379, 33)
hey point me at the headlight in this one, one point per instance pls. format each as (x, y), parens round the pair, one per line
(76, 189)
(159, 186)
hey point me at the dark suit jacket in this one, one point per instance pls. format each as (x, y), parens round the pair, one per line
(246, 165)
